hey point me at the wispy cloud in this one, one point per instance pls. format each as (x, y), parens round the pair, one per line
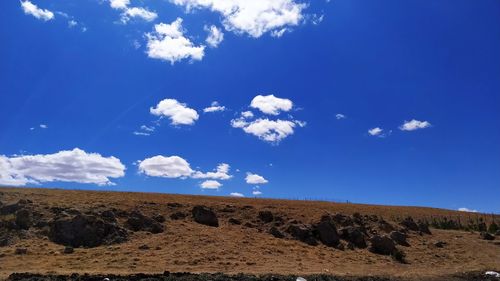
(32, 9)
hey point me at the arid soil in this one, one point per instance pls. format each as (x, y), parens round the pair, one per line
(50, 231)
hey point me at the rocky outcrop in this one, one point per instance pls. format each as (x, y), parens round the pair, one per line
(205, 215)
(327, 233)
(410, 224)
(353, 235)
(139, 222)
(266, 216)
(85, 231)
(303, 233)
(399, 238)
(382, 244)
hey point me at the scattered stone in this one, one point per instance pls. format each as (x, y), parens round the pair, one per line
(266, 216)
(410, 224)
(144, 247)
(174, 205)
(12, 208)
(229, 209)
(178, 216)
(354, 235)
(424, 227)
(486, 236)
(399, 238)
(205, 215)
(139, 222)
(440, 244)
(382, 245)
(385, 226)
(276, 232)
(159, 218)
(327, 233)
(86, 231)
(234, 221)
(21, 251)
(68, 250)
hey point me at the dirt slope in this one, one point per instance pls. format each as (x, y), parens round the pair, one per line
(187, 246)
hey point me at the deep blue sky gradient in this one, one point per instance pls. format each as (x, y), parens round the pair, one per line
(378, 62)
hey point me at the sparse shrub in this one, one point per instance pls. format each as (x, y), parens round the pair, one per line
(493, 228)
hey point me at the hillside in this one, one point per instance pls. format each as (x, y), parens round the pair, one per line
(67, 231)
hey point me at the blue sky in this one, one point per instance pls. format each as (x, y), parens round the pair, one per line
(90, 74)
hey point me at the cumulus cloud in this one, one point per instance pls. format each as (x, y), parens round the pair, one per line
(132, 12)
(255, 179)
(375, 131)
(214, 107)
(178, 167)
(166, 167)
(167, 42)
(144, 131)
(340, 116)
(272, 131)
(247, 114)
(414, 125)
(32, 9)
(210, 184)
(251, 17)
(271, 105)
(236, 194)
(178, 113)
(68, 166)
(214, 37)
(467, 210)
(256, 192)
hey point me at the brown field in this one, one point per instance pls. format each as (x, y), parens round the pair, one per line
(186, 246)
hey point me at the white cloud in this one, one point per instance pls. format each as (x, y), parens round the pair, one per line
(178, 113)
(279, 33)
(236, 194)
(132, 12)
(340, 116)
(166, 167)
(43, 126)
(375, 131)
(210, 184)
(221, 173)
(32, 9)
(414, 125)
(139, 133)
(271, 104)
(256, 192)
(247, 114)
(168, 43)
(147, 129)
(68, 166)
(144, 131)
(214, 37)
(467, 210)
(255, 179)
(214, 107)
(251, 17)
(268, 130)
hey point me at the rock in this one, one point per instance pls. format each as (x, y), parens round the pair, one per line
(410, 224)
(159, 218)
(178, 216)
(23, 218)
(385, 226)
(276, 232)
(497, 233)
(354, 235)
(174, 205)
(302, 233)
(229, 209)
(205, 215)
(139, 222)
(266, 216)
(249, 225)
(12, 208)
(440, 244)
(86, 231)
(21, 251)
(109, 215)
(342, 220)
(486, 236)
(382, 245)
(327, 233)
(399, 238)
(68, 250)
(144, 247)
(424, 227)
(234, 221)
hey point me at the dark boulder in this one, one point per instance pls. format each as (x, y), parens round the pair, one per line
(205, 215)
(159, 218)
(12, 208)
(382, 245)
(440, 244)
(24, 219)
(234, 221)
(266, 216)
(410, 224)
(343, 220)
(424, 227)
(486, 236)
(354, 235)
(385, 226)
(109, 215)
(302, 233)
(174, 205)
(139, 222)
(399, 238)
(327, 233)
(276, 232)
(86, 231)
(178, 216)
(68, 250)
